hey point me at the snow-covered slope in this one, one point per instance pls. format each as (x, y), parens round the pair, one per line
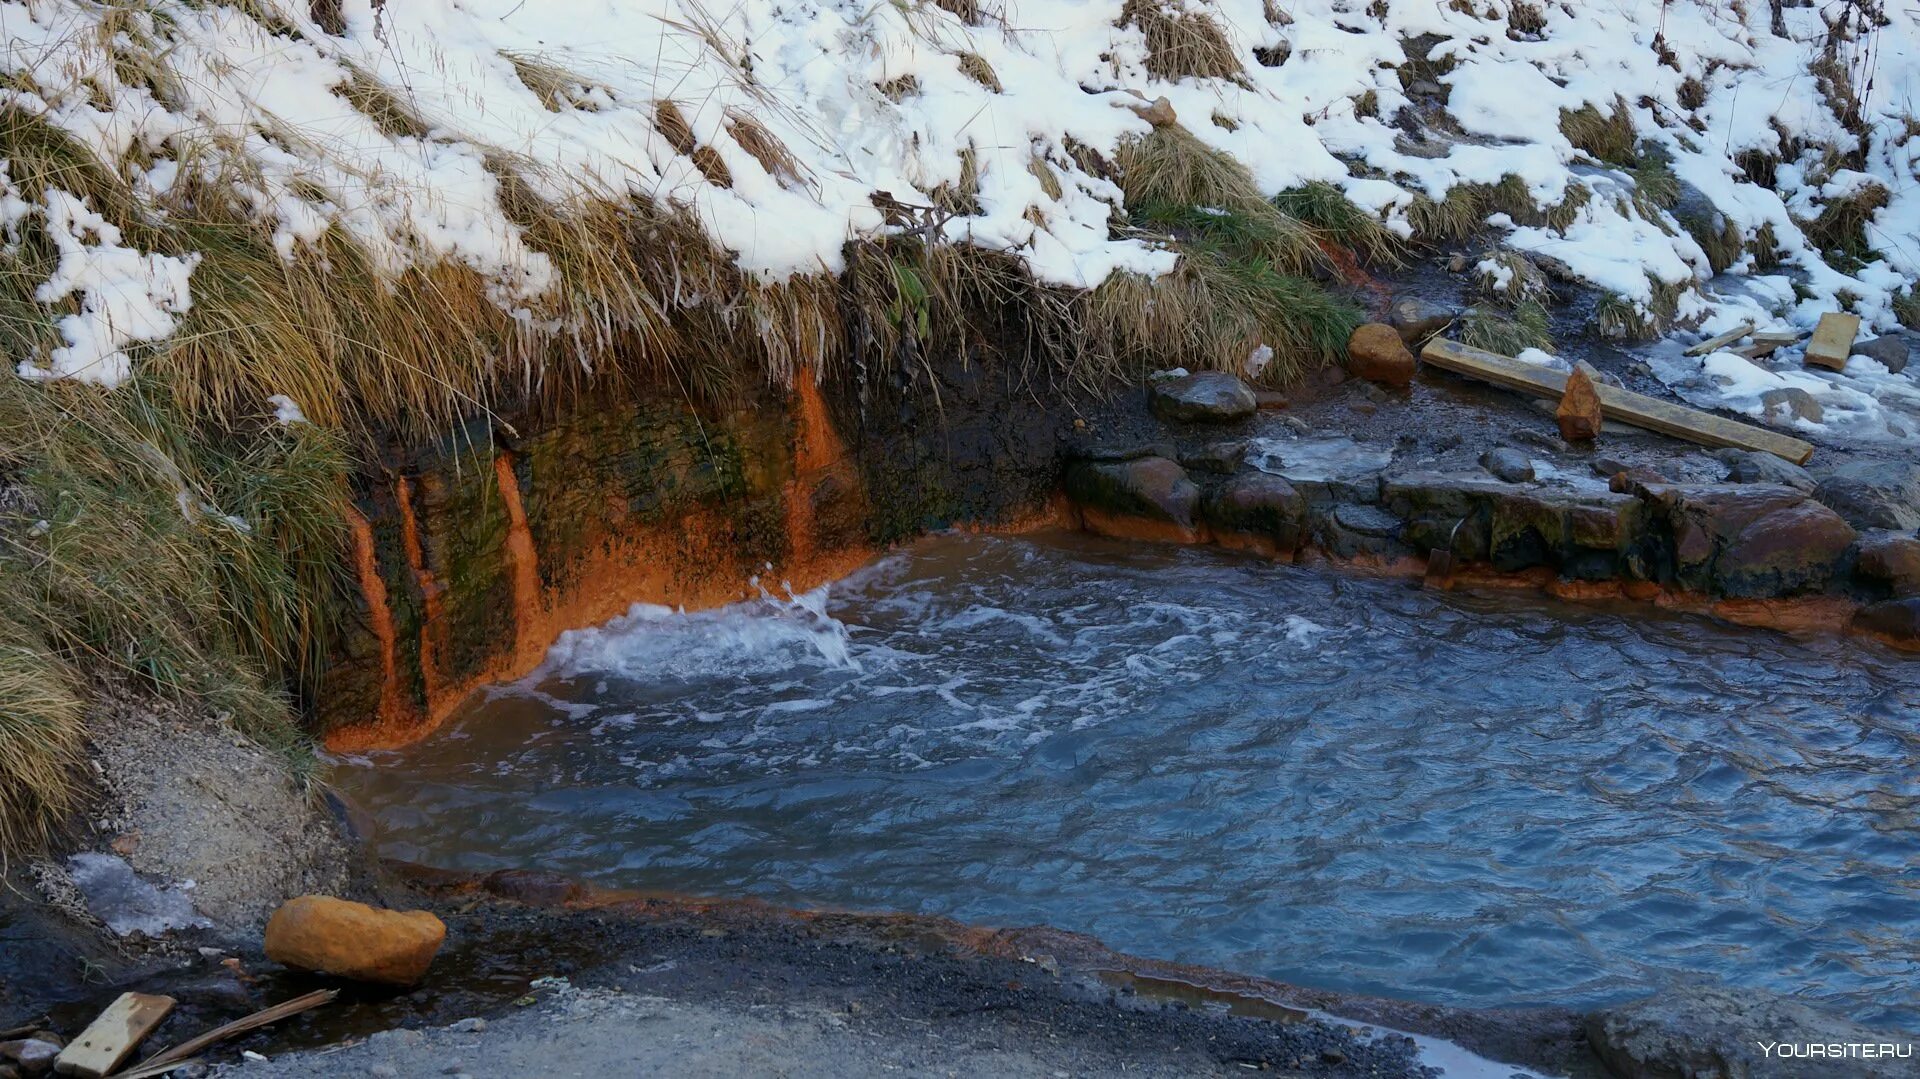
(789, 116)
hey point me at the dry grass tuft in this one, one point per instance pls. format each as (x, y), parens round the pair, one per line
(975, 67)
(673, 126)
(1172, 175)
(1182, 44)
(392, 114)
(557, 88)
(1606, 136)
(42, 732)
(1841, 227)
(967, 11)
(764, 147)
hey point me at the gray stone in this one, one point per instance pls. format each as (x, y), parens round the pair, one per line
(32, 1056)
(1890, 562)
(1891, 350)
(1417, 319)
(1219, 458)
(1120, 451)
(1750, 539)
(1508, 463)
(1793, 401)
(1896, 620)
(1703, 1033)
(1205, 397)
(1874, 494)
(1261, 506)
(1149, 488)
(1753, 466)
(1368, 521)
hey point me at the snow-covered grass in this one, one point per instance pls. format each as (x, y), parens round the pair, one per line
(493, 151)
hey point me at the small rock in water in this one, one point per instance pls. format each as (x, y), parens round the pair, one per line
(1891, 350)
(1508, 463)
(352, 940)
(1719, 1033)
(1220, 458)
(471, 1025)
(1753, 466)
(1579, 412)
(1417, 319)
(1793, 401)
(1376, 352)
(1206, 397)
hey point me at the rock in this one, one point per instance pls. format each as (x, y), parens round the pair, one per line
(1150, 488)
(534, 887)
(1259, 505)
(1896, 620)
(1120, 451)
(1874, 494)
(352, 940)
(32, 1056)
(1753, 466)
(1628, 480)
(1415, 319)
(1704, 1033)
(1750, 539)
(1508, 463)
(1206, 397)
(474, 1025)
(1269, 400)
(1890, 350)
(1160, 113)
(384, 1071)
(1891, 562)
(1376, 352)
(1219, 458)
(1579, 411)
(1795, 402)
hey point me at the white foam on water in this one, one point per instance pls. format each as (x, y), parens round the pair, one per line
(758, 637)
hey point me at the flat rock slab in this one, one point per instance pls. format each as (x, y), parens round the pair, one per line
(1723, 1034)
(1206, 397)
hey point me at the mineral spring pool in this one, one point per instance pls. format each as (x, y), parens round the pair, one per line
(1332, 780)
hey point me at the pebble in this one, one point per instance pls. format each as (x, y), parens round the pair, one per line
(1508, 464)
(472, 1025)
(384, 1071)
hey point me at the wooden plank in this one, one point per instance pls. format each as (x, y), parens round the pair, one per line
(1756, 350)
(1615, 403)
(109, 1039)
(1777, 338)
(1833, 339)
(1720, 340)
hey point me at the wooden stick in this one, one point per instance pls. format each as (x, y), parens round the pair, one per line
(1615, 403)
(1720, 340)
(176, 1056)
(113, 1035)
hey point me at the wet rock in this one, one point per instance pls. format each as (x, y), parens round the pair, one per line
(1579, 411)
(1895, 620)
(31, 1056)
(1891, 350)
(1120, 451)
(1750, 539)
(1508, 463)
(1416, 319)
(1206, 397)
(1218, 458)
(1376, 352)
(1753, 466)
(352, 940)
(1259, 505)
(1631, 479)
(1152, 488)
(533, 887)
(1889, 561)
(1703, 1033)
(1793, 401)
(1270, 400)
(1353, 529)
(1874, 494)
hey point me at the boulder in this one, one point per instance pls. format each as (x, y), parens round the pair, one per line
(1259, 505)
(1890, 350)
(1753, 466)
(1896, 620)
(1750, 539)
(1415, 319)
(1206, 397)
(1376, 352)
(1219, 458)
(1508, 463)
(1579, 412)
(353, 940)
(1706, 1033)
(1793, 401)
(1874, 494)
(1151, 488)
(1890, 561)
(32, 1056)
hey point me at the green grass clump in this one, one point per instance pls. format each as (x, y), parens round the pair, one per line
(1606, 136)
(1171, 169)
(1326, 208)
(1906, 308)
(1508, 332)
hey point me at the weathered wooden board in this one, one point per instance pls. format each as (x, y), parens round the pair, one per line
(1721, 340)
(109, 1039)
(1833, 339)
(1617, 404)
(1778, 337)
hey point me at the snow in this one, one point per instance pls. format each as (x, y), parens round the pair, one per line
(260, 103)
(128, 904)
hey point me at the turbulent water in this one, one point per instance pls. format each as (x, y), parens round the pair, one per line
(1332, 780)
